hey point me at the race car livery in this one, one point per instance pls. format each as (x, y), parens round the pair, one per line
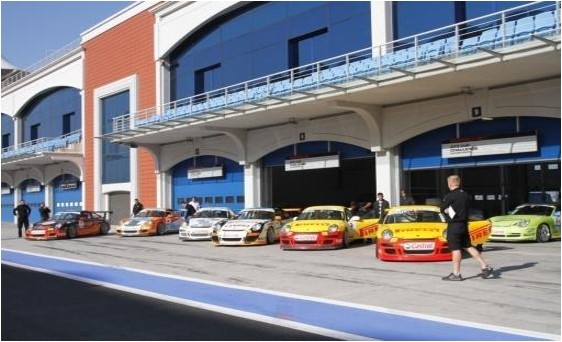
(200, 225)
(528, 222)
(151, 221)
(68, 225)
(322, 227)
(418, 233)
(255, 226)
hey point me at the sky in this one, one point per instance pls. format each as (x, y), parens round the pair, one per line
(31, 30)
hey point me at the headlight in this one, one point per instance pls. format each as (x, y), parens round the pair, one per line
(387, 234)
(286, 229)
(217, 226)
(257, 227)
(333, 228)
(522, 223)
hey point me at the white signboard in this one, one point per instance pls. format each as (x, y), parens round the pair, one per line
(321, 162)
(33, 188)
(207, 172)
(491, 146)
(5, 190)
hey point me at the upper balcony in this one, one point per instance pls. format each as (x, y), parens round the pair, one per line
(42, 151)
(489, 51)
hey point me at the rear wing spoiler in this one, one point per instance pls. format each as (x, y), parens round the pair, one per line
(104, 213)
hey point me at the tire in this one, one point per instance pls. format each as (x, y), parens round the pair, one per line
(345, 242)
(104, 228)
(543, 233)
(160, 229)
(270, 236)
(70, 232)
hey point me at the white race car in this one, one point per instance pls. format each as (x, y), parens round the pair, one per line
(256, 226)
(200, 225)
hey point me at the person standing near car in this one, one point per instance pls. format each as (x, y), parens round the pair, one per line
(22, 211)
(44, 211)
(379, 206)
(456, 207)
(137, 207)
(405, 199)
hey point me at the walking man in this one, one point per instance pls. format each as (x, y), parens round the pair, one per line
(22, 211)
(456, 206)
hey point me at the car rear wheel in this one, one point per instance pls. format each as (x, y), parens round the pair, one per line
(104, 228)
(160, 229)
(71, 232)
(270, 237)
(543, 233)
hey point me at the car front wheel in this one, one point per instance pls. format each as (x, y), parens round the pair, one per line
(71, 232)
(543, 233)
(270, 237)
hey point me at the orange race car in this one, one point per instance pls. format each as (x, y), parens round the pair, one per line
(153, 221)
(68, 225)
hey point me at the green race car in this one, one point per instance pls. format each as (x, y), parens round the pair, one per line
(528, 222)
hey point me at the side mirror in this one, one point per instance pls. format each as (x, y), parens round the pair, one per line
(355, 218)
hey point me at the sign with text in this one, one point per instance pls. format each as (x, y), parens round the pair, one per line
(205, 172)
(490, 145)
(313, 162)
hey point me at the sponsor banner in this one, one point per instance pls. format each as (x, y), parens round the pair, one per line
(491, 145)
(207, 172)
(310, 163)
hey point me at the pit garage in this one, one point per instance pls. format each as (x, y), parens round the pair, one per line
(316, 173)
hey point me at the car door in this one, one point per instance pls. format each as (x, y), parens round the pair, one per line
(86, 224)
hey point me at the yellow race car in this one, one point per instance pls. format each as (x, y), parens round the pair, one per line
(322, 227)
(418, 233)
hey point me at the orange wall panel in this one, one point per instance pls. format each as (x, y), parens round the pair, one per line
(122, 51)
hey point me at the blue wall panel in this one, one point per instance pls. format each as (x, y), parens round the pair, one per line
(227, 190)
(66, 198)
(33, 199)
(7, 205)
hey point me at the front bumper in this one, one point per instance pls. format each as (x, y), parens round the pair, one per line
(238, 238)
(417, 250)
(311, 241)
(513, 234)
(195, 233)
(124, 231)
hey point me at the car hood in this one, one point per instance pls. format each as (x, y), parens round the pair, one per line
(204, 222)
(48, 223)
(136, 221)
(415, 230)
(309, 226)
(241, 224)
(508, 220)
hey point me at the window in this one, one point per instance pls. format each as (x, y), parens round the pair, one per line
(207, 78)
(5, 140)
(67, 123)
(302, 49)
(34, 132)
(408, 21)
(115, 168)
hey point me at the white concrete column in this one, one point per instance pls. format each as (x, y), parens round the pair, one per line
(252, 185)
(134, 174)
(18, 133)
(388, 175)
(83, 185)
(49, 196)
(381, 23)
(164, 190)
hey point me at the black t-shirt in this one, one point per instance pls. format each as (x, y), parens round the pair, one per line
(459, 200)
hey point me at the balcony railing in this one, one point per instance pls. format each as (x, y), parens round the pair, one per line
(494, 35)
(33, 69)
(46, 144)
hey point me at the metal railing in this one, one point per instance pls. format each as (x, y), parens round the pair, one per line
(33, 69)
(45, 144)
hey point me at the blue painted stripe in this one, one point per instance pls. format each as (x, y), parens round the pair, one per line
(358, 321)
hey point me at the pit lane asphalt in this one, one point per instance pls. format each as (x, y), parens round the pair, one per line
(524, 292)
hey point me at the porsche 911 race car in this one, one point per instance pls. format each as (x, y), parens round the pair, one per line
(68, 225)
(323, 227)
(418, 233)
(256, 226)
(153, 221)
(528, 222)
(200, 225)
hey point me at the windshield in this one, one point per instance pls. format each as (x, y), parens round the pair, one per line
(151, 213)
(210, 214)
(64, 216)
(540, 210)
(409, 216)
(256, 215)
(322, 214)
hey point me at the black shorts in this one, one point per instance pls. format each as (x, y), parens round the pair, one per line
(458, 237)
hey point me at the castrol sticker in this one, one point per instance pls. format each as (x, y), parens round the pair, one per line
(419, 246)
